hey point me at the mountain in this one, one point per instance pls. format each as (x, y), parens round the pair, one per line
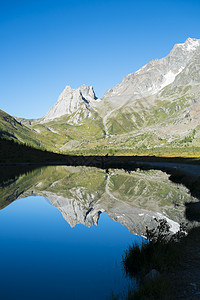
(152, 110)
(158, 73)
(73, 102)
(18, 130)
(157, 94)
(11, 129)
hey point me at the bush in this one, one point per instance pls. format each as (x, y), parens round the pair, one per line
(155, 289)
(161, 252)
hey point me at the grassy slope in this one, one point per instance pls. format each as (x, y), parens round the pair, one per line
(11, 189)
(164, 125)
(40, 138)
(13, 152)
(89, 128)
(134, 129)
(11, 129)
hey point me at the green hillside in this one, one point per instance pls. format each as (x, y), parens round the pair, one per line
(61, 134)
(11, 129)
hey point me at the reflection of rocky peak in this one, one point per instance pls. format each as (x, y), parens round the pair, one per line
(74, 211)
(133, 199)
(136, 220)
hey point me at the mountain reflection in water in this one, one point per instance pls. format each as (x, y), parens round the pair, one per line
(45, 257)
(133, 198)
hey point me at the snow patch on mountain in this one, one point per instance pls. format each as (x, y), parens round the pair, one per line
(169, 77)
(190, 44)
(79, 103)
(157, 74)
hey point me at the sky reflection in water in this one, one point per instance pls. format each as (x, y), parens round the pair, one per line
(42, 257)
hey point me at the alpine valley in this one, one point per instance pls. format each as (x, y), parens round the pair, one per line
(154, 111)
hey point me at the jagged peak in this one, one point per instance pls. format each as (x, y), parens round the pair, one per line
(158, 73)
(81, 87)
(191, 40)
(71, 101)
(190, 44)
(84, 90)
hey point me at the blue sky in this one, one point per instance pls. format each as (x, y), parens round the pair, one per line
(48, 44)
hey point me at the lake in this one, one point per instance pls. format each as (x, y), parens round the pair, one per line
(64, 229)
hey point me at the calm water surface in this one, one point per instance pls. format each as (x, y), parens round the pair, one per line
(42, 257)
(63, 230)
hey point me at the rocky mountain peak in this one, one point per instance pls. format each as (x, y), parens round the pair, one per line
(180, 67)
(190, 44)
(157, 74)
(70, 101)
(87, 92)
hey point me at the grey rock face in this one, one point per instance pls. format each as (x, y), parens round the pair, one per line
(75, 211)
(71, 101)
(158, 73)
(133, 104)
(191, 73)
(147, 81)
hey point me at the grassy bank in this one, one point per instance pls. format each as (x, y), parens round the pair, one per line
(166, 152)
(13, 152)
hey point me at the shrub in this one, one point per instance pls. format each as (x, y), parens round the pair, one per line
(161, 252)
(154, 289)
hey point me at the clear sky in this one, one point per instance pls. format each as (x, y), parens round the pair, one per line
(48, 44)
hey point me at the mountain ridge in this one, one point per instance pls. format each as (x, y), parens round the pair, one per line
(155, 108)
(173, 64)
